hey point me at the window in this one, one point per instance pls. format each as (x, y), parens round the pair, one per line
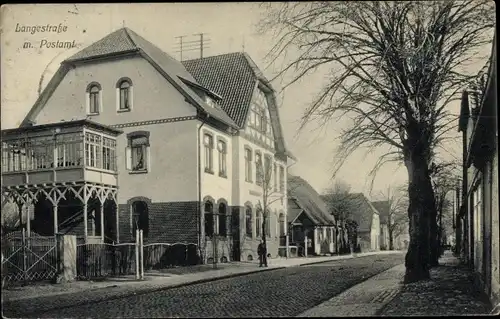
(221, 147)
(267, 171)
(275, 177)
(263, 122)
(248, 221)
(108, 154)
(209, 219)
(248, 165)
(208, 141)
(258, 169)
(282, 224)
(124, 94)
(94, 91)
(140, 217)
(477, 202)
(93, 151)
(138, 152)
(258, 223)
(282, 179)
(222, 220)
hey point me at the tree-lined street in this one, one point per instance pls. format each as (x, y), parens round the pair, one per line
(282, 292)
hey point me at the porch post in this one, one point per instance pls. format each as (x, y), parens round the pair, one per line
(102, 221)
(85, 221)
(28, 218)
(56, 222)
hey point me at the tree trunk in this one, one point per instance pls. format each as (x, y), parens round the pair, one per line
(264, 242)
(391, 238)
(435, 235)
(433, 238)
(422, 203)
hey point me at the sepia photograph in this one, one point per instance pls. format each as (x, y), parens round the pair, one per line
(249, 159)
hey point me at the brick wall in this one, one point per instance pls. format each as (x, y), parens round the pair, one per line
(168, 222)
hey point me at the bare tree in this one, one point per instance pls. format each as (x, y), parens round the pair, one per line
(267, 179)
(445, 176)
(393, 68)
(395, 204)
(342, 205)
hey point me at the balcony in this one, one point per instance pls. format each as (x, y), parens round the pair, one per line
(65, 152)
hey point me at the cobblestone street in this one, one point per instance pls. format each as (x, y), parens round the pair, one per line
(281, 292)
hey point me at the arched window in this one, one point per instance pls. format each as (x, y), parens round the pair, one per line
(94, 91)
(140, 217)
(222, 219)
(209, 219)
(208, 142)
(282, 224)
(124, 87)
(248, 221)
(258, 223)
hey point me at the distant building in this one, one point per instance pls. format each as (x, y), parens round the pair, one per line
(400, 234)
(365, 215)
(309, 216)
(478, 229)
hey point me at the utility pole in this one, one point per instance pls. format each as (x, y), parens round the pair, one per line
(201, 45)
(180, 43)
(193, 45)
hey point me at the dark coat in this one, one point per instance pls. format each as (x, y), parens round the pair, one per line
(261, 250)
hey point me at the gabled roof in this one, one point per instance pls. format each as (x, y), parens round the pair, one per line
(235, 77)
(231, 76)
(306, 197)
(361, 210)
(383, 207)
(125, 41)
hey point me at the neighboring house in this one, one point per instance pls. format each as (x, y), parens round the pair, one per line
(479, 218)
(309, 216)
(189, 139)
(383, 207)
(366, 217)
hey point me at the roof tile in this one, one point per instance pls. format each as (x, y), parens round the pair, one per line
(230, 75)
(308, 199)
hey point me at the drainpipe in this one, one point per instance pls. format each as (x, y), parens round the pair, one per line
(199, 183)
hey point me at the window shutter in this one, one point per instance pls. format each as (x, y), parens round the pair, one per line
(128, 158)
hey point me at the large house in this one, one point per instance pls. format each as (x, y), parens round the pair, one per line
(179, 146)
(478, 219)
(309, 217)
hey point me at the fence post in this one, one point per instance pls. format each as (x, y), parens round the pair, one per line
(141, 251)
(137, 271)
(25, 274)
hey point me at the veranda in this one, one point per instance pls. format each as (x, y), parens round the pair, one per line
(66, 173)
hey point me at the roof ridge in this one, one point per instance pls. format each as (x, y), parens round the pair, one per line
(213, 56)
(129, 37)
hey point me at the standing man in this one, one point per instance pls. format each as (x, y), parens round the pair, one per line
(261, 250)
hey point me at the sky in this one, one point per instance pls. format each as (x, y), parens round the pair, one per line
(229, 27)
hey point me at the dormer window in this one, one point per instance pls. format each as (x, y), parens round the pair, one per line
(210, 101)
(124, 95)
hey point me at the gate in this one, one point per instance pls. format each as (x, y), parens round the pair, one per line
(26, 259)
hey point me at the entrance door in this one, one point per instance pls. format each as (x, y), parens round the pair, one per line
(235, 232)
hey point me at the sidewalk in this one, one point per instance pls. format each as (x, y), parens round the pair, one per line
(449, 292)
(168, 278)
